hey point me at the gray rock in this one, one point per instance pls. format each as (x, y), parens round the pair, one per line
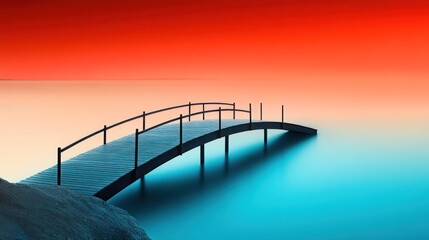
(42, 212)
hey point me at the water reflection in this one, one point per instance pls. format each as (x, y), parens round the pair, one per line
(333, 186)
(154, 197)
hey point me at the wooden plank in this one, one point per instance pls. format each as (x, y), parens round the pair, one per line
(99, 168)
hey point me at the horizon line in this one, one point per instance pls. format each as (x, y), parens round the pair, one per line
(131, 79)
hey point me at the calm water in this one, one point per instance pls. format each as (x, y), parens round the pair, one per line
(339, 185)
(365, 176)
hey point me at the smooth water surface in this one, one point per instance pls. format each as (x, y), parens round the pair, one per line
(337, 185)
(364, 176)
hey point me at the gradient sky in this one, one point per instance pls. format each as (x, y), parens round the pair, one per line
(252, 39)
(357, 70)
(327, 61)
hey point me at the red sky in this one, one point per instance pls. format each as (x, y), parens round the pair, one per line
(256, 39)
(327, 60)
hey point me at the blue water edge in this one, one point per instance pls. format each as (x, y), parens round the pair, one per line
(330, 186)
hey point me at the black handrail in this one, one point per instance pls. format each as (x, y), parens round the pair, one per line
(192, 114)
(167, 109)
(143, 116)
(180, 119)
(82, 139)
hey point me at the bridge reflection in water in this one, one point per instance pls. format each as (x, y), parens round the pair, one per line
(179, 182)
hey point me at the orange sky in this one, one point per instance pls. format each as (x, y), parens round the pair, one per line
(254, 39)
(330, 62)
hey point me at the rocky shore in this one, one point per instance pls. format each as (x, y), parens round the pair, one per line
(42, 212)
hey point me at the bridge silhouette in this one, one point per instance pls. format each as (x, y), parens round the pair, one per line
(106, 170)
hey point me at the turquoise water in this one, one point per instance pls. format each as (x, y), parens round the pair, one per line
(365, 176)
(341, 184)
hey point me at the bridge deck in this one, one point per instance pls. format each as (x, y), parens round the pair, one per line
(93, 170)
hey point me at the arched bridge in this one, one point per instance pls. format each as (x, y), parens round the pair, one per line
(111, 167)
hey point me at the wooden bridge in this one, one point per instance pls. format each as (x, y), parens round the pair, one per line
(106, 170)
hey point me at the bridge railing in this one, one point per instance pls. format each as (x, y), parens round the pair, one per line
(180, 119)
(143, 116)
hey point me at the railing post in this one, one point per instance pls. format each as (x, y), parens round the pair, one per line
(189, 112)
(204, 112)
(220, 120)
(59, 166)
(233, 111)
(136, 153)
(181, 135)
(283, 115)
(260, 106)
(104, 135)
(144, 120)
(250, 115)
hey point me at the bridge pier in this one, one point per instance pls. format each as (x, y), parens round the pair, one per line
(202, 154)
(227, 144)
(226, 165)
(265, 137)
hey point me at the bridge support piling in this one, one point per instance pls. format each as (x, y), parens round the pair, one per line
(226, 166)
(202, 154)
(265, 137)
(227, 144)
